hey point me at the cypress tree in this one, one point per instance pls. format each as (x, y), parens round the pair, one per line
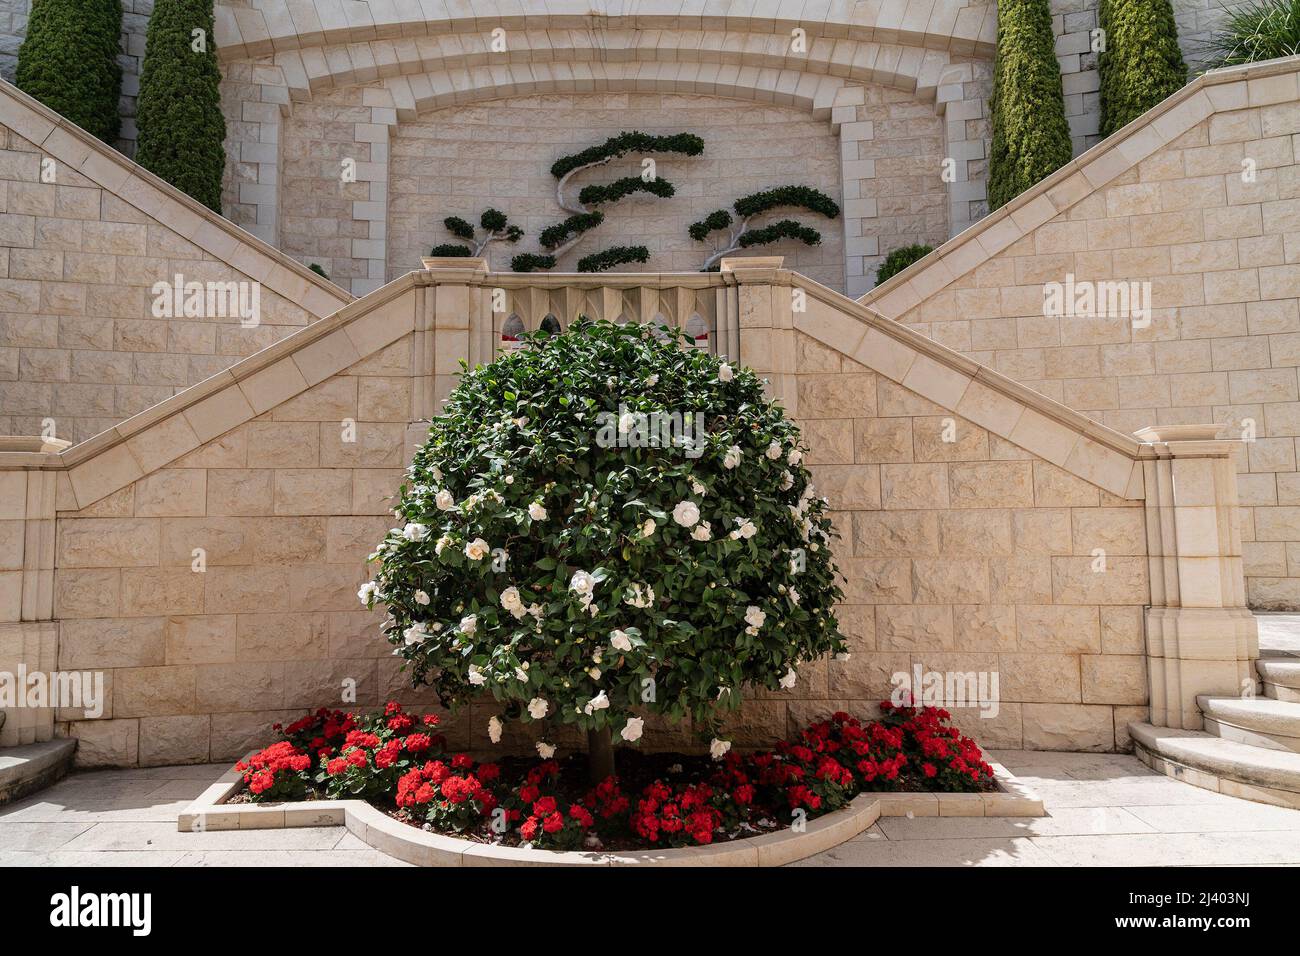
(1031, 138)
(1141, 64)
(68, 61)
(182, 131)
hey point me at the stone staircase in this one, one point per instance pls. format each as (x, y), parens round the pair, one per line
(1251, 744)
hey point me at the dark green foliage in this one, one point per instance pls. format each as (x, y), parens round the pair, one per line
(781, 229)
(686, 143)
(1262, 30)
(614, 256)
(804, 197)
(1031, 138)
(459, 228)
(900, 259)
(559, 233)
(316, 268)
(596, 193)
(491, 220)
(1141, 64)
(451, 249)
(531, 262)
(179, 108)
(68, 61)
(718, 219)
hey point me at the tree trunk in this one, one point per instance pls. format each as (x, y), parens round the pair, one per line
(600, 754)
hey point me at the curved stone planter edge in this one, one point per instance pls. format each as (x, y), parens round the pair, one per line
(413, 845)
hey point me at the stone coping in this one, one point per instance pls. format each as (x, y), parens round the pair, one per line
(154, 197)
(30, 767)
(1231, 88)
(416, 846)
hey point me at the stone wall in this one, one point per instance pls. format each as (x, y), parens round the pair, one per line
(1210, 221)
(84, 236)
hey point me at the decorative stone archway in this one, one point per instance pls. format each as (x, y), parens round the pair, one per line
(414, 57)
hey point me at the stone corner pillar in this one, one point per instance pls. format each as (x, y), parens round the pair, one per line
(28, 634)
(1201, 637)
(757, 325)
(453, 321)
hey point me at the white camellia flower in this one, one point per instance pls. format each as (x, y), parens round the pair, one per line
(652, 381)
(477, 549)
(725, 373)
(469, 624)
(494, 730)
(444, 500)
(789, 679)
(718, 748)
(686, 513)
(593, 673)
(626, 422)
(633, 729)
(536, 511)
(521, 674)
(697, 488)
(745, 529)
(476, 675)
(416, 633)
(702, 531)
(620, 641)
(787, 481)
(415, 532)
(512, 602)
(599, 702)
(537, 708)
(544, 750)
(443, 543)
(648, 528)
(774, 451)
(640, 595)
(755, 618)
(437, 473)
(368, 590)
(795, 456)
(794, 595)
(732, 458)
(421, 597)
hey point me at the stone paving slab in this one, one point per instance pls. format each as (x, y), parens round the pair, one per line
(1104, 809)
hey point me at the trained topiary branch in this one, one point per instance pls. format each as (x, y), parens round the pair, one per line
(1030, 135)
(496, 228)
(1141, 63)
(182, 129)
(68, 61)
(756, 204)
(558, 239)
(604, 526)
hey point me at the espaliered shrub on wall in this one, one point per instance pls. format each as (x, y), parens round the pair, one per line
(743, 235)
(1141, 64)
(68, 61)
(181, 129)
(496, 227)
(1031, 138)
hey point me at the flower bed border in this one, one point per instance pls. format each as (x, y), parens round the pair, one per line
(413, 845)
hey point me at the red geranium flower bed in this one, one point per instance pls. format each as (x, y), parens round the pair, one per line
(399, 762)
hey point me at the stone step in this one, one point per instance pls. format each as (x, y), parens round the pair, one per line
(1258, 721)
(1225, 766)
(1281, 677)
(30, 767)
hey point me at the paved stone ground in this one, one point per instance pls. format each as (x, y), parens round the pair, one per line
(1106, 809)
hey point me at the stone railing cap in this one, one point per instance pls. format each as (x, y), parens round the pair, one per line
(456, 263)
(33, 443)
(1168, 433)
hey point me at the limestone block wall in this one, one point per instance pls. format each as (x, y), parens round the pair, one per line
(1202, 211)
(84, 237)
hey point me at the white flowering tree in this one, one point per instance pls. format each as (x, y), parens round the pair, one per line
(605, 525)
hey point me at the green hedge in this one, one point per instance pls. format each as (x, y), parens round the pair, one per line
(900, 259)
(1141, 64)
(68, 61)
(179, 109)
(1031, 137)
